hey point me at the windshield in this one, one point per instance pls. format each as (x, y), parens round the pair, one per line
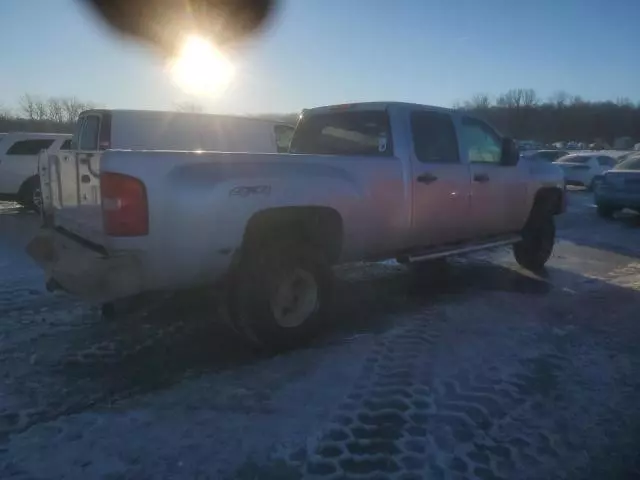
(365, 133)
(632, 163)
(574, 159)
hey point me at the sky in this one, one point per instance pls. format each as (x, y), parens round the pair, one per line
(318, 52)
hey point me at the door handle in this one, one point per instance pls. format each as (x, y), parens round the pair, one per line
(481, 178)
(427, 178)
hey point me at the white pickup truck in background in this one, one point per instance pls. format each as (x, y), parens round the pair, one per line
(19, 152)
(362, 181)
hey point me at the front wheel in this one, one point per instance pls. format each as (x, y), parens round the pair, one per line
(279, 297)
(536, 246)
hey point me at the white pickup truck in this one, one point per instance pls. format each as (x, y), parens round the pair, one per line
(362, 181)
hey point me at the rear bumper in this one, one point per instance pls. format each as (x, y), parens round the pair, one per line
(85, 272)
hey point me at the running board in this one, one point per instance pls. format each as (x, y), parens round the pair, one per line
(445, 252)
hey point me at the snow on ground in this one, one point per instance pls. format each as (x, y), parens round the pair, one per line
(489, 372)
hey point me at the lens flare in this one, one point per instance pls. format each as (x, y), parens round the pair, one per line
(200, 68)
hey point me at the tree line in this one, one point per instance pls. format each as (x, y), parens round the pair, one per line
(522, 114)
(34, 113)
(519, 112)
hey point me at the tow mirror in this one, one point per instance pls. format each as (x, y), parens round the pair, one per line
(510, 154)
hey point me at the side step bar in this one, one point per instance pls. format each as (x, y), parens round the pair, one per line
(458, 250)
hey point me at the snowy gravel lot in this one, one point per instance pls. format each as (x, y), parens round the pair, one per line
(488, 373)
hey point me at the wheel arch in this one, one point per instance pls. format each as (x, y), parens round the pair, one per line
(319, 226)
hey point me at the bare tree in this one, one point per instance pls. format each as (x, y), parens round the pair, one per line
(560, 98)
(72, 107)
(55, 110)
(529, 97)
(512, 98)
(27, 104)
(480, 101)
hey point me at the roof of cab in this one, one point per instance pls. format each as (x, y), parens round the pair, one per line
(375, 106)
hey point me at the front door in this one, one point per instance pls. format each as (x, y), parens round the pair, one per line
(441, 181)
(498, 191)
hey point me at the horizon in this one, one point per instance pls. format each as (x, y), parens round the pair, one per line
(441, 53)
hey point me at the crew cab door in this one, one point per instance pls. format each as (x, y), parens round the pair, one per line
(498, 190)
(441, 181)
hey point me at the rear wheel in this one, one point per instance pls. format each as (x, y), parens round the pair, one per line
(30, 194)
(538, 238)
(279, 296)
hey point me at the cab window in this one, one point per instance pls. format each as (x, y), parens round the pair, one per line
(482, 143)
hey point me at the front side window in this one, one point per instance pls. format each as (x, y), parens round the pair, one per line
(365, 133)
(66, 145)
(29, 147)
(606, 162)
(434, 137)
(89, 133)
(483, 145)
(283, 137)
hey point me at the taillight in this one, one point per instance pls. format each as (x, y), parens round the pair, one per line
(125, 211)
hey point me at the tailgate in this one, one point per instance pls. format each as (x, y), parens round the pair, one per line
(71, 193)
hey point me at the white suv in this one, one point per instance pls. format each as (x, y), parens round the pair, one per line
(19, 180)
(585, 169)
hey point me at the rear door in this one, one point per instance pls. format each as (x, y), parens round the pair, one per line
(498, 191)
(20, 162)
(441, 181)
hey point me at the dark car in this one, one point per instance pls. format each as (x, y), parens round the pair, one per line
(619, 188)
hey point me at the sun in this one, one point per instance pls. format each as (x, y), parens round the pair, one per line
(200, 68)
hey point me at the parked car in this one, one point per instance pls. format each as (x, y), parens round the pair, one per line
(619, 188)
(545, 155)
(157, 130)
(584, 169)
(19, 152)
(366, 181)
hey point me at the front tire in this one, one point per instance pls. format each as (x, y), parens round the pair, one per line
(538, 239)
(279, 296)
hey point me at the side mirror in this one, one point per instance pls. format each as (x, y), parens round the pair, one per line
(510, 154)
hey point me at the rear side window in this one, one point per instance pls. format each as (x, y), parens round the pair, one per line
(364, 133)
(434, 137)
(283, 137)
(66, 145)
(89, 133)
(606, 162)
(29, 147)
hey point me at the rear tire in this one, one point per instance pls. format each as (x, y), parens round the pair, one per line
(538, 238)
(279, 296)
(30, 194)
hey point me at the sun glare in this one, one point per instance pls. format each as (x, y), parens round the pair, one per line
(200, 68)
